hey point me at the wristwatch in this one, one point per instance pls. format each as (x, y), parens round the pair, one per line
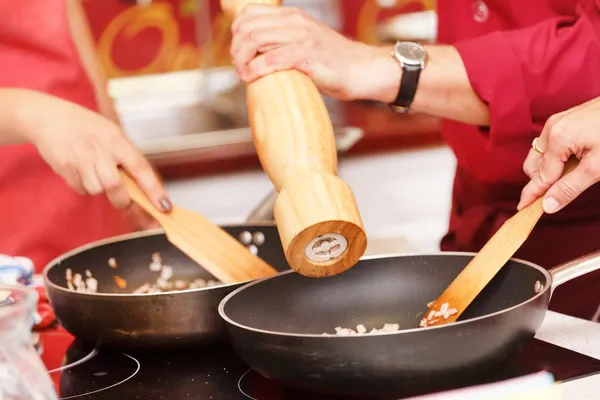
(411, 57)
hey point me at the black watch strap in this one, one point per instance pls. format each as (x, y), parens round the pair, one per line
(408, 87)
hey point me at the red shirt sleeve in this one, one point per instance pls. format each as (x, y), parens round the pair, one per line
(529, 74)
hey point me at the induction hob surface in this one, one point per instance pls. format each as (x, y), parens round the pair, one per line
(218, 373)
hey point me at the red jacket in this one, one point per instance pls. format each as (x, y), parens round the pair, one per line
(528, 59)
(40, 216)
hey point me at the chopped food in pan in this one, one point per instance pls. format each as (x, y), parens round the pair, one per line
(121, 283)
(361, 330)
(432, 316)
(163, 283)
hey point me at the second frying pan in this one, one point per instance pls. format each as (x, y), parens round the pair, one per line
(115, 317)
(277, 324)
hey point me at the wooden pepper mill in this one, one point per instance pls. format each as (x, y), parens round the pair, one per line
(316, 213)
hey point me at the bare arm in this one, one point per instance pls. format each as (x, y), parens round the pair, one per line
(444, 88)
(495, 80)
(82, 36)
(80, 145)
(11, 104)
(268, 39)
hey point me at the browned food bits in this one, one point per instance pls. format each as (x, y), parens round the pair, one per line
(164, 281)
(121, 283)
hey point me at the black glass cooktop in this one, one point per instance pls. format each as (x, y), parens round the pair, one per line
(219, 374)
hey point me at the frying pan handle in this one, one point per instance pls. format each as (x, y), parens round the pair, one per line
(575, 268)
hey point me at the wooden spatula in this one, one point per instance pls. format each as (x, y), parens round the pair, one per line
(205, 243)
(486, 264)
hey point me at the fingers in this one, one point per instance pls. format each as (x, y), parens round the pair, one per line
(89, 178)
(531, 192)
(108, 175)
(544, 170)
(73, 179)
(264, 29)
(566, 189)
(264, 40)
(95, 170)
(548, 172)
(99, 174)
(140, 169)
(280, 59)
(530, 167)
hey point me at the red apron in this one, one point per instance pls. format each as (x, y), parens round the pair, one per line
(40, 216)
(489, 176)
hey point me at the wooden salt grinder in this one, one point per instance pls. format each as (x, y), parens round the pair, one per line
(316, 213)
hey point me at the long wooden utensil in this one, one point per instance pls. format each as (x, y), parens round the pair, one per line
(487, 263)
(205, 243)
(316, 213)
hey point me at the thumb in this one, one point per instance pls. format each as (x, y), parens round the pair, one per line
(567, 188)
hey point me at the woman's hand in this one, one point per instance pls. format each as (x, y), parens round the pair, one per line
(85, 149)
(573, 132)
(269, 38)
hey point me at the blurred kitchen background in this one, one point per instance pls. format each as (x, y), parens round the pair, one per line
(180, 101)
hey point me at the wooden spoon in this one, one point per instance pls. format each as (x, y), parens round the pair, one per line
(487, 263)
(317, 217)
(205, 243)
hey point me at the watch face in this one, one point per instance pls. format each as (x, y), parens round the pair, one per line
(411, 53)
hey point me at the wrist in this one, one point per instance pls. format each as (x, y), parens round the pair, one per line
(24, 122)
(380, 76)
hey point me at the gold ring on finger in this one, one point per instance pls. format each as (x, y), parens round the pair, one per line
(536, 146)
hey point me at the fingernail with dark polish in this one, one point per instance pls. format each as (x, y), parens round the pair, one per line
(165, 204)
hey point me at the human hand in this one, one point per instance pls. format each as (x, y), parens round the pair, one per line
(86, 149)
(270, 38)
(572, 132)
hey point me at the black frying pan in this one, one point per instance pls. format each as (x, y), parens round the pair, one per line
(276, 324)
(117, 318)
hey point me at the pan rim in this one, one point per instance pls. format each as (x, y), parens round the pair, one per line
(130, 236)
(547, 287)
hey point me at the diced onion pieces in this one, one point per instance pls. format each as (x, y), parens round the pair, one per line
(181, 285)
(92, 284)
(361, 330)
(166, 273)
(142, 289)
(155, 267)
(444, 311)
(163, 283)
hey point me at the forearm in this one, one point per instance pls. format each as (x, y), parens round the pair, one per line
(444, 89)
(13, 108)
(84, 42)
